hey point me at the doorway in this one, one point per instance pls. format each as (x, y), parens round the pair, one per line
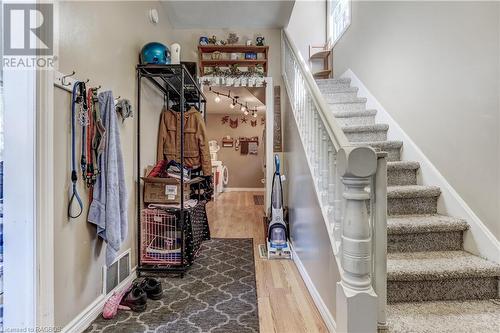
(240, 128)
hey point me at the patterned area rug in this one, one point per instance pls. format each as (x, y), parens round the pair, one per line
(217, 294)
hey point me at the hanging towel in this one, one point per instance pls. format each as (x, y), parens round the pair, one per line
(109, 206)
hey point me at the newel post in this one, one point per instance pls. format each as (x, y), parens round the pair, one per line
(356, 299)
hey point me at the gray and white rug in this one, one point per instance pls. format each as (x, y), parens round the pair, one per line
(217, 294)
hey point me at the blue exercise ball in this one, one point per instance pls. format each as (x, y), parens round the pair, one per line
(155, 53)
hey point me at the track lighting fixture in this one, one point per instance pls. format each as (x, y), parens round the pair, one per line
(234, 102)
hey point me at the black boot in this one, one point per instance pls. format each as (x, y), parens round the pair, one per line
(135, 299)
(152, 287)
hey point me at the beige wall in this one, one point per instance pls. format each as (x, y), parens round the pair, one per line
(100, 41)
(244, 170)
(435, 68)
(307, 25)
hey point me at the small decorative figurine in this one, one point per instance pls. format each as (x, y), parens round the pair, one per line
(203, 40)
(233, 38)
(175, 51)
(212, 40)
(249, 42)
(259, 41)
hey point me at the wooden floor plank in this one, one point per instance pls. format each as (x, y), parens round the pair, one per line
(285, 305)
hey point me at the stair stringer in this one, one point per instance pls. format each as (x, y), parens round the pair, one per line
(478, 239)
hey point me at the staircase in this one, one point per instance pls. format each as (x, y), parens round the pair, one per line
(426, 261)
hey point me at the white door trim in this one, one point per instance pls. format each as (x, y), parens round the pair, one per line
(44, 200)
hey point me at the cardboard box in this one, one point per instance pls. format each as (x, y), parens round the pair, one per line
(166, 190)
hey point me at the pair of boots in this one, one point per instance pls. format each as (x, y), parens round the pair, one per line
(133, 297)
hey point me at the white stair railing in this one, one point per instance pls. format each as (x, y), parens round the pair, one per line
(342, 174)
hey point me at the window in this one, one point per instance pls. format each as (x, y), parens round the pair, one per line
(339, 19)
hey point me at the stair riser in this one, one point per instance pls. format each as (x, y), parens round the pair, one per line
(419, 242)
(352, 121)
(393, 154)
(341, 97)
(443, 289)
(401, 177)
(405, 206)
(356, 107)
(367, 136)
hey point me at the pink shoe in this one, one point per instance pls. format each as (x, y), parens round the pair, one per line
(112, 305)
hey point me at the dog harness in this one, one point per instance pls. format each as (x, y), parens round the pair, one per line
(76, 99)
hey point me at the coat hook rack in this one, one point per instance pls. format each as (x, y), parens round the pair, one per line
(63, 79)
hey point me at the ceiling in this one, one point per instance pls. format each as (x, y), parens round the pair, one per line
(220, 14)
(245, 96)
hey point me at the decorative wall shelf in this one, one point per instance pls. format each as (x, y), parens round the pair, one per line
(226, 60)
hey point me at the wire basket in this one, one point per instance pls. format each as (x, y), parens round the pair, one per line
(160, 238)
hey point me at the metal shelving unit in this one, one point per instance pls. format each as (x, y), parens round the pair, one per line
(178, 85)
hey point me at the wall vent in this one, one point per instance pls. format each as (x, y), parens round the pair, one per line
(115, 273)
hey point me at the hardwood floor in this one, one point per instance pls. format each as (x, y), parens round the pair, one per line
(285, 305)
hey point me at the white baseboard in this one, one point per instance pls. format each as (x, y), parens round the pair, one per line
(318, 301)
(244, 189)
(479, 239)
(91, 312)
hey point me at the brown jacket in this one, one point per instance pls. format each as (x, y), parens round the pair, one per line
(196, 151)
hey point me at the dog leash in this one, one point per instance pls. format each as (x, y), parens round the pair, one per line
(75, 99)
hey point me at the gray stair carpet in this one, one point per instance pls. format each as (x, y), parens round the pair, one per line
(433, 285)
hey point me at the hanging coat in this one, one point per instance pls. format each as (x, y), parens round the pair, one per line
(108, 210)
(196, 151)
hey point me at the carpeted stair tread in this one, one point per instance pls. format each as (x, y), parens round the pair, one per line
(438, 265)
(405, 165)
(387, 144)
(445, 316)
(347, 114)
(365, 128)
(333, 81)
(340, 90)
(412, 191)
(353, 101)
(427, 223)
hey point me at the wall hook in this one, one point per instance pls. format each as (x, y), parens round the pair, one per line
(117, 98)
(87, 81)
(99, 87)
(63, 79)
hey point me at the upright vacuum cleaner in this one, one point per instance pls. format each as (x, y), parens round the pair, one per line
(278, 246)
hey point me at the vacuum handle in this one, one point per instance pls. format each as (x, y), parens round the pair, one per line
(277, 163)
